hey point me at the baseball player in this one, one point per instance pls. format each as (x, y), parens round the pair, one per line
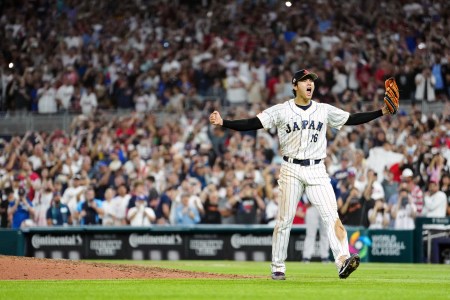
(302, 125)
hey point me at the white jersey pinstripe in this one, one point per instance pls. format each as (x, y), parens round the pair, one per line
(297, 128)
(302, 135)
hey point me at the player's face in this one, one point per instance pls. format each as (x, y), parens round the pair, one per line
(305, 88)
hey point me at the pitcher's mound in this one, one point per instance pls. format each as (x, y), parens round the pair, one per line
(13, 268)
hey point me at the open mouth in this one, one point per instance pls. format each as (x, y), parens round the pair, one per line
(308, 90)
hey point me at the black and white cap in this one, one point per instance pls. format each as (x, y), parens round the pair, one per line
(301, 74)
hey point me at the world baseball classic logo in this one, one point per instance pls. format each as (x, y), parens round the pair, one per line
(359, 244)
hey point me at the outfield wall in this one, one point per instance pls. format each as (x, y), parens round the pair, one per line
(212, 242)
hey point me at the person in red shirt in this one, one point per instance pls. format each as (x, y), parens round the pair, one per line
(29, 178)
(300, 213)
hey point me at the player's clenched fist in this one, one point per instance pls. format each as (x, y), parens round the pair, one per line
(215, 118)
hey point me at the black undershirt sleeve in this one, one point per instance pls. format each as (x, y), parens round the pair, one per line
(244, 124)
(364, 117)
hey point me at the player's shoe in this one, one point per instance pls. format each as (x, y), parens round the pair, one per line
(278, 276)
(350, 265)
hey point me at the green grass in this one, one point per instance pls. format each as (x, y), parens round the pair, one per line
(305, 281)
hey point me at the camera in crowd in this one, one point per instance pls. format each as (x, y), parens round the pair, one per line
(404, 201)
(21, 192)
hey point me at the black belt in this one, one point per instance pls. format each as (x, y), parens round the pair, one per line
(302, 162)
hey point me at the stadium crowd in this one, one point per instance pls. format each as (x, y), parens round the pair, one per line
(182, 61)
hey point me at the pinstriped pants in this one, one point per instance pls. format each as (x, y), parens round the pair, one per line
(315, 182)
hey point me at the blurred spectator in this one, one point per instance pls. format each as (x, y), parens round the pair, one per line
(372, 193)
(164, 207)
(88, 101)
(73, 195)
(352, 208)
(283, 88)
(435, 202)
(138, 192)
(313, 224)
(256, 92)
(185, 213)
(236, 87)
(193, 187)
(91, 209)
(58, 214)
(271, 195)
(144, 101)
(445, 187)
(250, 205)
(47, 99)
(212, 214)
(119, 205)
(406, 83)
(300, 213)
(425, 82)
(109, 215)
(230, 201)
(20, 210)
(141, 214)
(414, 190)
(390, 186)
(42, 202)
(64, 95)
(404, 211)
(379, 217)
(4, 204)
(150, 186)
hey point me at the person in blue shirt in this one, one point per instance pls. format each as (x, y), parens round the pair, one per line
(58, 213)
(20, 210)
(186, 214)
(90, 210)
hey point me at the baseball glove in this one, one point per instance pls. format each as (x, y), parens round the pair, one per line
(391, 96)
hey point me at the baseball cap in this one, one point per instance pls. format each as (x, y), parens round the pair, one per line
(351, 172)
(299, 75)
(141, 197)
(407, 173)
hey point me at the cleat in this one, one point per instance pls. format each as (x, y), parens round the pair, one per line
(278, 276)
(350, 265)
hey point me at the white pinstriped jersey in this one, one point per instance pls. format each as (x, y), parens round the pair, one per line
(302, 133)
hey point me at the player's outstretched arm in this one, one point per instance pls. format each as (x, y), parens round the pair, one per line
(391, 105)
(364, 117)
(239, 125)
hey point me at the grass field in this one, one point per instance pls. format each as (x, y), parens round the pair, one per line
(305, 281)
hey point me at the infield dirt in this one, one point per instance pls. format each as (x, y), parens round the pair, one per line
(23, 268)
